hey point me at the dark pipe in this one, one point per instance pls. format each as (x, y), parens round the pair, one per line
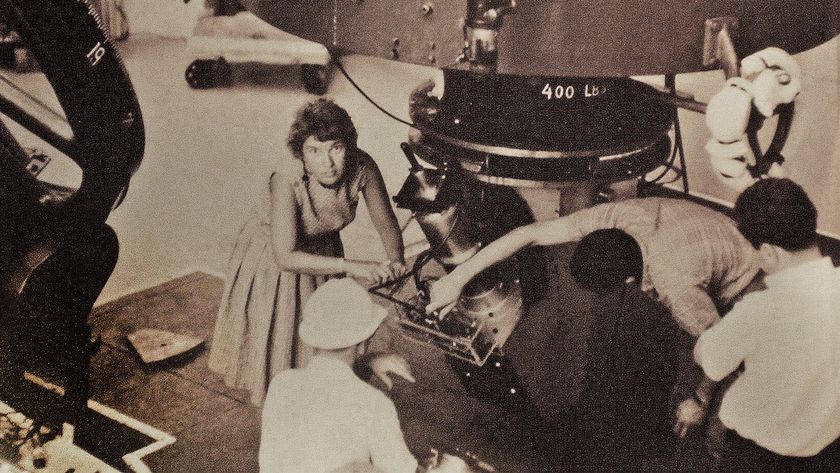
(409, 154)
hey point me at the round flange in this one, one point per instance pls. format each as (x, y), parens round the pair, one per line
(534, 131)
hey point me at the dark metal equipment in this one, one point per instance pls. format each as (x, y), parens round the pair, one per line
(490, 307)
(571, 38)
(538, 94)
(511, 130)
(541, 131)
(56, 251)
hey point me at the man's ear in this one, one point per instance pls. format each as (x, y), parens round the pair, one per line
(769, 256)
(361, 348)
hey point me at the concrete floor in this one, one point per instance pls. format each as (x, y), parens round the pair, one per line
(214, 426)
(217, 430)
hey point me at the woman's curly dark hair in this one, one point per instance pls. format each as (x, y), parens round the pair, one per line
(324, 120)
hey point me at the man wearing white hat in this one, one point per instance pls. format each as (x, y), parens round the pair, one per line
(323, 417)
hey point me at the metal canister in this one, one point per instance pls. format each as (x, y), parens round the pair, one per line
(448, 234)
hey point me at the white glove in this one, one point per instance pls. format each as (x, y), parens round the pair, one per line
(729, 110)
(769, 57)
(730, 160)
(769, 78)
(775, 76)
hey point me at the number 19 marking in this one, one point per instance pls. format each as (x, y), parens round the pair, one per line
(95, 54)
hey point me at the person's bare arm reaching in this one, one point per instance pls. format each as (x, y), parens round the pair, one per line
(445, 291)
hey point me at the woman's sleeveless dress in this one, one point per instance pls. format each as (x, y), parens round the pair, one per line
(256, 328)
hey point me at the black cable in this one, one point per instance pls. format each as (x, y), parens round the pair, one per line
(671, 82)
(334, 58)
(678, 145)
(668, 167)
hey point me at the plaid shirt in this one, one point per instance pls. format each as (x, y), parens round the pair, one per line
(696, 261)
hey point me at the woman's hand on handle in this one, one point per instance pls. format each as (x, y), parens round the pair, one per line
(397, 269)
(373, 272)
(368, 271)
(390, 270)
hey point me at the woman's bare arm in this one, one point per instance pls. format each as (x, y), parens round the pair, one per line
(382, 216)
(446, 290)
(284, 231)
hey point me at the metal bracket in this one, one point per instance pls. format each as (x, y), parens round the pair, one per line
(718, 48)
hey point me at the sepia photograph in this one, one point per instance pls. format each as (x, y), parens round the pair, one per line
(406, 236)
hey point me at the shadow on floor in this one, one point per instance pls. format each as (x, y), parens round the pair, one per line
(217, 430)
(541, 429)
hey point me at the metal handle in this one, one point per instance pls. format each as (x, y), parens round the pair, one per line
(409, 154)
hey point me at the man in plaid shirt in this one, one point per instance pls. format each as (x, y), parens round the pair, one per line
(685, 255)
(692, 258)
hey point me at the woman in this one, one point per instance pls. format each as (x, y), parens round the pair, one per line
(291, 245)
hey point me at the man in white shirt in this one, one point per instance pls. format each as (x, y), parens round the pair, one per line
(323, 418)
(784, 408)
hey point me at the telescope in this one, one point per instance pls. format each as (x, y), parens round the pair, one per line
(540, 94)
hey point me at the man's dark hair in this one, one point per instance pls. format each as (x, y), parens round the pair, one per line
(778, 212)
(324, 120)
(604, 259)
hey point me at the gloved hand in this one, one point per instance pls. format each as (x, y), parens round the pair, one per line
(769, 78)
(774, 87)
(730, 160)
(775, 76)
(729, 110)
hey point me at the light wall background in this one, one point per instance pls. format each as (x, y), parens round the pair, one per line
(208, 151)
(166, 18)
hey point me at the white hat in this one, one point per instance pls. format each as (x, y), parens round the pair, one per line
(339, 314)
